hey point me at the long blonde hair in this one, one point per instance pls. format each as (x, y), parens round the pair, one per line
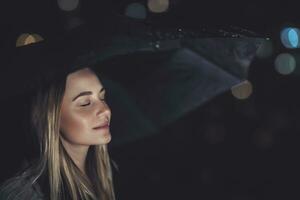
(65, 178)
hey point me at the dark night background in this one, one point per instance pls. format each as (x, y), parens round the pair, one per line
(226, 149)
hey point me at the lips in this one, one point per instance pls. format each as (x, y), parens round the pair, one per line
(101, 126)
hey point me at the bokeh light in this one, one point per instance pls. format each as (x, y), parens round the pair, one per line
(242, 90)
(26, 38)
(136, 10)
(285, 63)
(68, 5)
(158, 6)
(290, 37)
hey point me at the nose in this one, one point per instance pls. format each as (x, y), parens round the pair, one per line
(103, 109)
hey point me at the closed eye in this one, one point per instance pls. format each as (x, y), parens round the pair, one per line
(85, 104)
(90, 103)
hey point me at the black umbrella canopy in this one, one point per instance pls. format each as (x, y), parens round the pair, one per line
(153, 76)
(163, 86)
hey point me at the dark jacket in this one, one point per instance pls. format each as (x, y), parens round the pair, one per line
(21, 187)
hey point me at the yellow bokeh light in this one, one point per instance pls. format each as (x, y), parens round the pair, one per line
(242, 90)
(26, 39)
(158, 6)
(30, 39)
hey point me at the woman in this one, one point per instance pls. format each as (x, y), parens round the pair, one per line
(71, 119)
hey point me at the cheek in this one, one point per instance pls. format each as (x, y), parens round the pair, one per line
(74, 127)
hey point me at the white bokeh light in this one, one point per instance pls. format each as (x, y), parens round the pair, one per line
(285, 63)
(68, 5)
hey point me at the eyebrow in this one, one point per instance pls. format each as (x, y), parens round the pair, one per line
(86, 93)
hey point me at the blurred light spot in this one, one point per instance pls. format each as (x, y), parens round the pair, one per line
(290, 37)
(242, 90)
(136, 10)
(158, 6)
(285, 63)
(25, 39)
(293, 37)
(68, 5)
(265, 50)
(30, 39)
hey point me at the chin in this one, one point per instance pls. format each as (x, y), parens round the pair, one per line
(103, 140)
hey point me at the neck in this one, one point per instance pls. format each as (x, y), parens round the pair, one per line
(77, 153)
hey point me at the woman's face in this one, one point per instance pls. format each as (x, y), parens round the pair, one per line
(83, 109)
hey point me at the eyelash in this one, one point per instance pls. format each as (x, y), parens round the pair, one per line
(90, 103)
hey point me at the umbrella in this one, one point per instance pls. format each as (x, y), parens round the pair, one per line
(151, 90)
(153, 76)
